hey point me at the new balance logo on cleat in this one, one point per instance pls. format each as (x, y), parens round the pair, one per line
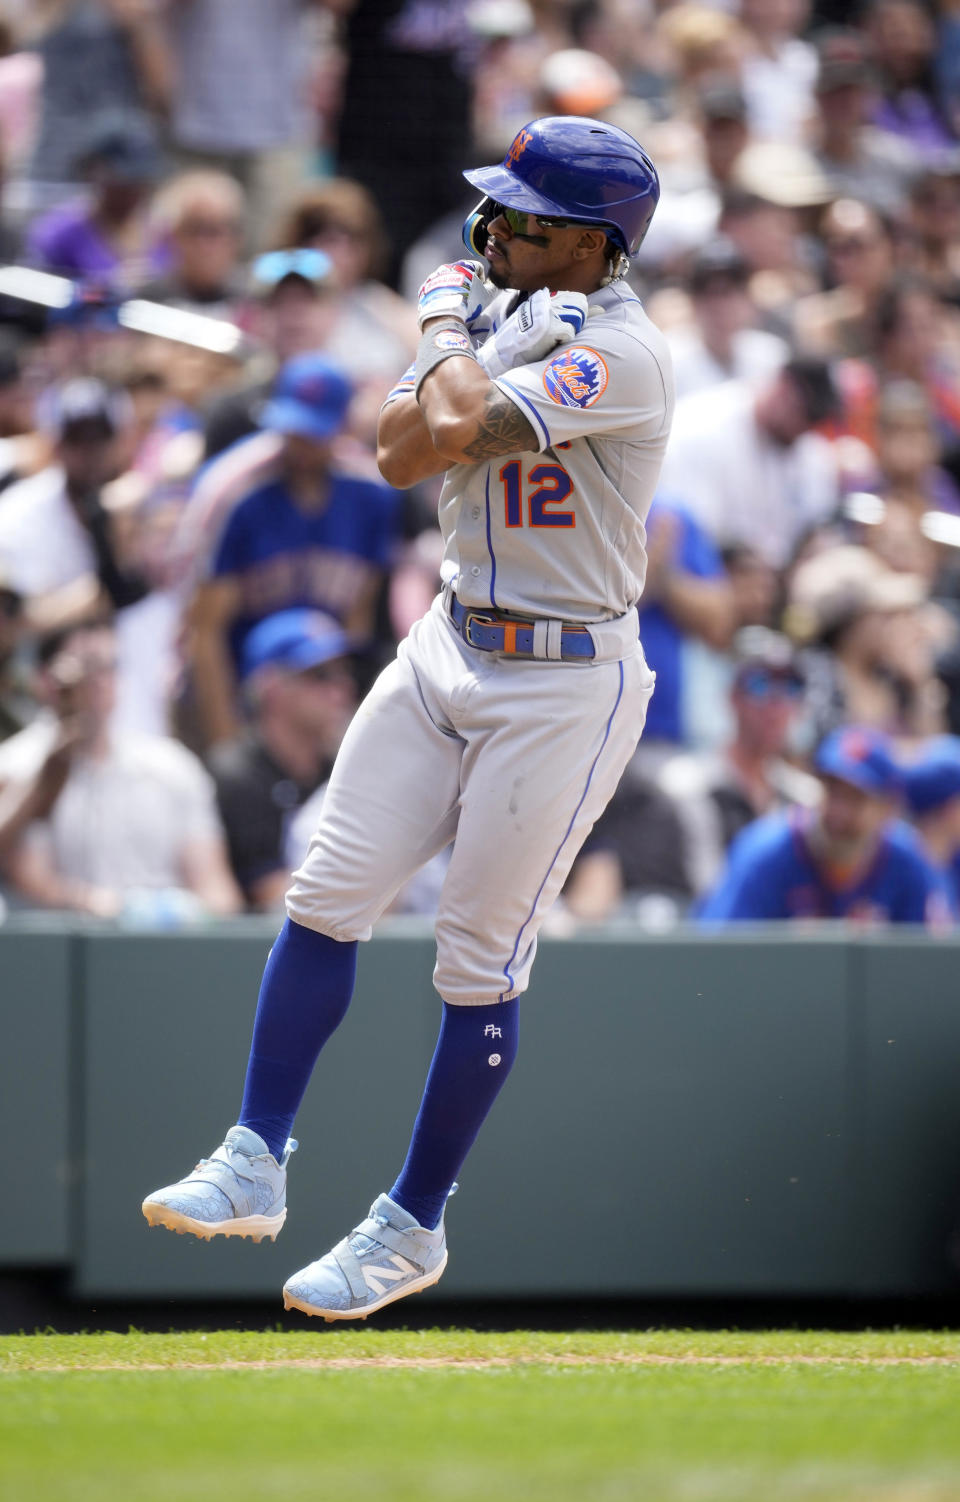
(401, 1269)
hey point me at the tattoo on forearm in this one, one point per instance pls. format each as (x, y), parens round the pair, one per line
(502, 429)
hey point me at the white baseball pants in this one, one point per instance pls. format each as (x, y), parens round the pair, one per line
(511, 759)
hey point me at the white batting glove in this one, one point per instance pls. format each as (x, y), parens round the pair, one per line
(457, 290)
(541, 323)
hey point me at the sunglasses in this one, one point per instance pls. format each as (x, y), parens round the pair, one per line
(518, 219)
(760, 684)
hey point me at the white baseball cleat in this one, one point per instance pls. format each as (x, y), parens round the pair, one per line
(240, 1191)
(386, 1257)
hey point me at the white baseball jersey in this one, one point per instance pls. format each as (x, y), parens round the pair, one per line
(560, 533)
(512, 759)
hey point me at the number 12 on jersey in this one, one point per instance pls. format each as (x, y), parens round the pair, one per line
(552, 486)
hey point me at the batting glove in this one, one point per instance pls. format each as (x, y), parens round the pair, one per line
(538, 326)
(457, 290)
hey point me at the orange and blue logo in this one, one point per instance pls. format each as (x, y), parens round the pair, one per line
(518, 146)
(577, 377)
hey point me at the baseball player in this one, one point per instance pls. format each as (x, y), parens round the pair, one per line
(544, 393)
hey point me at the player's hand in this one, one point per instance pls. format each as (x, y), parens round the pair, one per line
(457, 290)
(541, 323)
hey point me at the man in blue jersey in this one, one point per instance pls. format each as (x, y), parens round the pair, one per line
(932, 783)
(850, 858)
(307, 535)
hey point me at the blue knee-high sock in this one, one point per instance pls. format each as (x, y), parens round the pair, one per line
(474, 1055)
(304, 995)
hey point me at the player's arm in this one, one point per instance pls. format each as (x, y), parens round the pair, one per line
(469, 418)
(405, 451)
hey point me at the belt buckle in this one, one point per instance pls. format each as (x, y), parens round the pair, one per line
(471, 618)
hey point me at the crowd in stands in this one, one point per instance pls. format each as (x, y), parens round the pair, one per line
(214, 218)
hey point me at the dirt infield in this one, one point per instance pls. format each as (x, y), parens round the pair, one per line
(493, 1363)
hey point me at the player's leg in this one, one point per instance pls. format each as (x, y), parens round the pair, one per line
(545, 754)
(391, 804)
(548, 751)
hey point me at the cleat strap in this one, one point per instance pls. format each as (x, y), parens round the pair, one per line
(348, 1263)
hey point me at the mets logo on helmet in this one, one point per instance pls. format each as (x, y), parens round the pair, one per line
(519, 146)
(577, 377)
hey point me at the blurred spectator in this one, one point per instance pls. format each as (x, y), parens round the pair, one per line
(16, 705)
(691, 197)
(850, 858)
(859, 160)
(876, 650)
(723, 343)
(935, 224)
(686, 598)
(859, 264)
(300, 694)
(908, 453)
(902, 37)
(308, 536)
(631, 864)
(133, 828)
(239, 98)
(100, 57)
(294, 312)
(107, 239)
(766, 231)
(722, 116)
(58, 545)
(716, 794)
(703, 41)
(779, 74)
(747, 465)
(932, 782)
(199, 218)
(916, 339)
(374, 332)
(405, 121)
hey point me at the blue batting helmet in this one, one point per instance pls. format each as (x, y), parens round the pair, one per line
(571, 167)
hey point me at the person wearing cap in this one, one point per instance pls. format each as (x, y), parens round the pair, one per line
(59, 546)
(718, 793)
(858, 160)
(932, 786)
(109, 238)
(306, 535)
(129, 823)
(722, 344)
(851, 858)
(299, 695)
(291, 312)
(747, 464)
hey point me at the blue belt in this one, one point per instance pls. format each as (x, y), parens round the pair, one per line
(490, 631)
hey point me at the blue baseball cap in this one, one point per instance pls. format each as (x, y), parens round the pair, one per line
(311, 397)
(862, 757)
(934, 778)
(294, 640)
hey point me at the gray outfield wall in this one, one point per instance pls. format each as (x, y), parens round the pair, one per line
(765, 1113)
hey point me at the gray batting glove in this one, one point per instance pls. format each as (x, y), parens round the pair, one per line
(457, 290)
(541, 323)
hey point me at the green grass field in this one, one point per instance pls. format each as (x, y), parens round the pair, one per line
(468, 1417)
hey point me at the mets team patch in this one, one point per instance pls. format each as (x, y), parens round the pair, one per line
(577, 377)
(450, 339)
